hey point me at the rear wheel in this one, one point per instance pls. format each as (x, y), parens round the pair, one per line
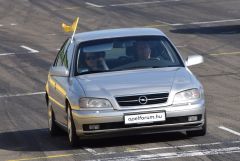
(52, 126)
(72, 136)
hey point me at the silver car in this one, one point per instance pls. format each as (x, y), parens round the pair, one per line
(123, 82)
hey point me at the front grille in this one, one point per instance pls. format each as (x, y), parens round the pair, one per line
(134, 100)
(118, 125)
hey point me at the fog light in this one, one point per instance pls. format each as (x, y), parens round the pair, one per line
(94, 127)
(192, 118)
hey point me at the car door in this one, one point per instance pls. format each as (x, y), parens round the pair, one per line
(59, 92)
(63, 83)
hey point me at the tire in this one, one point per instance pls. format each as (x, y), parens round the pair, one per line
(201, 132)
(52, 126)
(72, 136)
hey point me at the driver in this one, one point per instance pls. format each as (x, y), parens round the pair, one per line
(94, 61)
(143, 51)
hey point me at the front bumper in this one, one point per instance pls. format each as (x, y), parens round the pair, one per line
(111, 122)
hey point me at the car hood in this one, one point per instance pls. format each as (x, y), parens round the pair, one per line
(132, 82)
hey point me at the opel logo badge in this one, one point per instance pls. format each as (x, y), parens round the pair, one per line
(143, 100)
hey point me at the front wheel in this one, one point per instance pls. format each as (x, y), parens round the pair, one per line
(52, 126)
(201, 132)
(72, 136)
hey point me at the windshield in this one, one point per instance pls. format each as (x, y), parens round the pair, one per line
(129, 53)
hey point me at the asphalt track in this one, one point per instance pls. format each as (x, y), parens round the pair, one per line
(30, 35)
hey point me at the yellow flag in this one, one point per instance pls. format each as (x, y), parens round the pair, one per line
(71, 28)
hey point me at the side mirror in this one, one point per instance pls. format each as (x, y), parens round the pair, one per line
(193, 60)
(59, 71)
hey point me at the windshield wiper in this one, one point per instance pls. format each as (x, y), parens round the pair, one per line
(135, 67)
(93, 71)
(142, 67)
(130, 68)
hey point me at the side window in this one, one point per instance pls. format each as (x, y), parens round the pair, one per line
(68, 56)
(59, 61)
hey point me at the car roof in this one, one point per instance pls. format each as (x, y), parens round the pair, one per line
(115, 33)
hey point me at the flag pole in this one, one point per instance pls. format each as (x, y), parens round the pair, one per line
(75, 28)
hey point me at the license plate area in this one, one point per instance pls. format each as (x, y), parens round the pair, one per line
(143, 118)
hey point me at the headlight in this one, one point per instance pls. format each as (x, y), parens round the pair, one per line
(94, 103)
(187, 96)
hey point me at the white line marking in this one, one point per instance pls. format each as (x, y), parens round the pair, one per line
(219, 21)
(165, 23)
(142, 3)
(170, 147)
(1, 25)
(131, 158)
(21, 94)
(198, 23)
(170, 24)
(5, 54)
(93, 5)
(159, 156)
(13, 24)
(177, 24)
(107, 153)
(92, 151)
(71, 8)
(30, 49)
(175, 147)
(231, 53)
(229, 130)
(235, 142)
(51, 34)
(66, 8)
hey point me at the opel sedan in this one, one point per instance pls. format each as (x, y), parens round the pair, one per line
(127, 81)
